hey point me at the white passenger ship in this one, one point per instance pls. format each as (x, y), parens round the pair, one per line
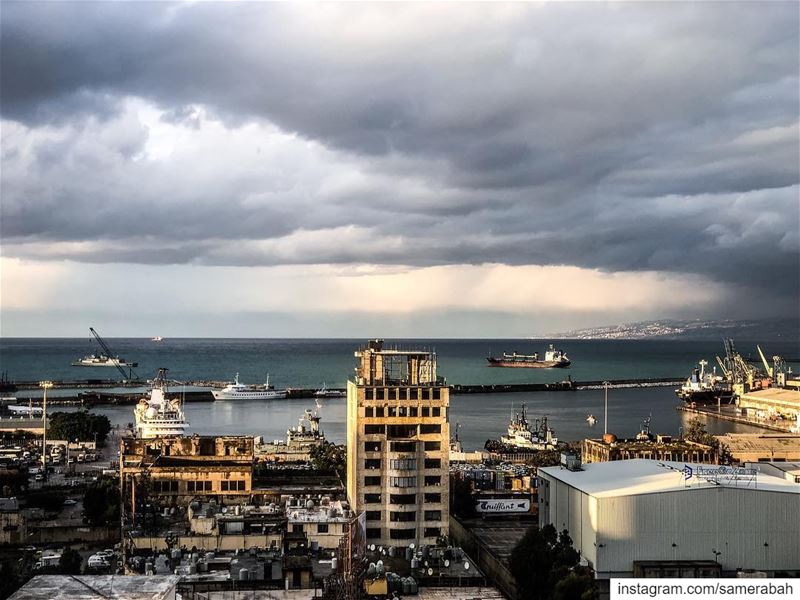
(157, 415)
(241, 391)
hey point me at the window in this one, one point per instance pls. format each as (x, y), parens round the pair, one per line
(372, 463)
(402, 498)
(368, 411)
(298, 527)
(433, 480)
(233, 485)
(322, 528)
(437, 393)
(433, 498)
(433, 463)
(372, 480)
(430, 429)
(165, 487)
(373, 429)
(402, 431)
(372, 498)
(402, 411)
(392, 411)
(402, 517)
(373, 515)
(402, 534)
(436, 411)
(403, 464)
(426, 411)
(433, 445)
(373, 532)
(403, 481)
(433, 515)
(431, 532)
(403, 446)
(198, 486)
(372, 446)
(378, 411)
(412, 411)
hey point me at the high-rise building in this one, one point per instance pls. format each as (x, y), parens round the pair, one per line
(398, 445)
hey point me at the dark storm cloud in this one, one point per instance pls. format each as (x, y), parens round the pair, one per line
(632, 136)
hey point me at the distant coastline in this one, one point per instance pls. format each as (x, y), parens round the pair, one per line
(676, 329)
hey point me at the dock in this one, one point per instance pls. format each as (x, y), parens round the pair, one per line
(728, 413)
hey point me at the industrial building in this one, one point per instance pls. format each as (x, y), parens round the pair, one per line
(98, 587)
(659, 447)
(646, 517)
(397, 446)
(761, 447)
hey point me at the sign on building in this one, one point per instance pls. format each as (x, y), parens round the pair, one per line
(504, 505)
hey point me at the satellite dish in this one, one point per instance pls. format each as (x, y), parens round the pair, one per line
(430, 571)
(372, 547)
(466, 566)
(426, 563)
(446, 563)
(411, 545)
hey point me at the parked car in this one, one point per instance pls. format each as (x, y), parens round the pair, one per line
(39, 477)
(107, 553)
(70, 502)
(98, 562)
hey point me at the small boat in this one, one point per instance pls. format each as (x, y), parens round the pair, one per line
(158, 416)
(241, 391)
(324, 392)
(553, 359)
(158, 338)
(591, 420)
(102, 360)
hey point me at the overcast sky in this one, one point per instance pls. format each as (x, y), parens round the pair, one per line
(419, 170)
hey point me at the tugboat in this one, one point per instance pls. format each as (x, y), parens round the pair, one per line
(553, 359)
(703, 387)
(522, 436)
(158, 416)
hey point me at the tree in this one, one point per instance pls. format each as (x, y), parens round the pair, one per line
(696, 432)
(544, 560)
(101, 503)
(81, 425)
(462, 500)
(329, 458)
(70, 562)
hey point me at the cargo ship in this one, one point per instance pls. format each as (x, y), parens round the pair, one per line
(703, 387)
(553, 359)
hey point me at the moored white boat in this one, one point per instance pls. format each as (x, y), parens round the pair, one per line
(241, 391)
(157, 415)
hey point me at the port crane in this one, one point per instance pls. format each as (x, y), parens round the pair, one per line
(110, 354)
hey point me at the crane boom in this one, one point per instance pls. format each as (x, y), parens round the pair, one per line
(767, 368)
(110, 354)
(724, 369)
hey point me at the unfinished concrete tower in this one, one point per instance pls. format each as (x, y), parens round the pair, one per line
(398, 445)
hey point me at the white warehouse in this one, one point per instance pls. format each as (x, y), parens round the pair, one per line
(673, 518)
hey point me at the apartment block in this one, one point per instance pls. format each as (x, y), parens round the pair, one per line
(398, 445)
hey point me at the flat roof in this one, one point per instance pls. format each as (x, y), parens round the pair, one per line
(760, 442)
(774, 395)
(644, 476)
(99, 587)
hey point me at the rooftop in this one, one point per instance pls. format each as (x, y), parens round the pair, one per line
(760, 442)
(642, 476)
(100, 587)
(774, 395)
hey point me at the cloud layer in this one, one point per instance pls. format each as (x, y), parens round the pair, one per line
(632, 137)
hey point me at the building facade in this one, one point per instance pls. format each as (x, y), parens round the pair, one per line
(175, 470)
(660, 447)
(397, 446)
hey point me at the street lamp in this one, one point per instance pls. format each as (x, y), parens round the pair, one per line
(45, 385)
